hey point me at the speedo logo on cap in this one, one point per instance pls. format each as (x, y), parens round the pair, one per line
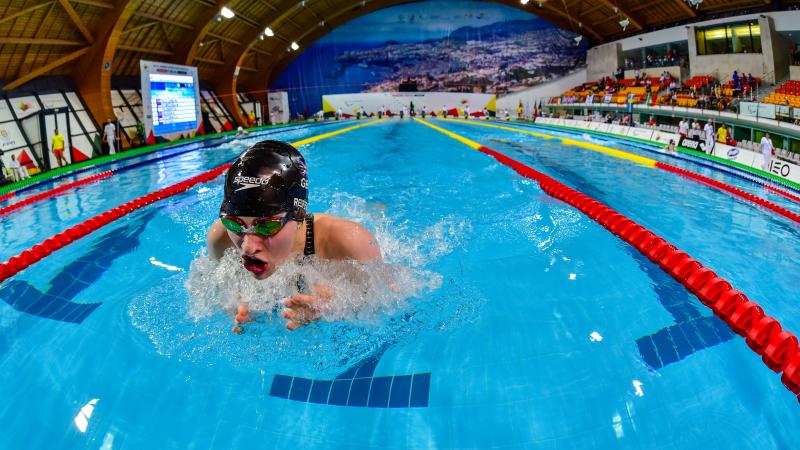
(250, 182)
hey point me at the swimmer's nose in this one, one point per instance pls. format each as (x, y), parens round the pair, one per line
(252, 244)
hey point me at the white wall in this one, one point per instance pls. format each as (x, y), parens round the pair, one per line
(794, 72)
(546, 90)
(603, 60)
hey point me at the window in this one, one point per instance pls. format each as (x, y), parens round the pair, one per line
(742, 37)
(664, 55)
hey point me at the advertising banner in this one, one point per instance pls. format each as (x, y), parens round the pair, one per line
(757, 109)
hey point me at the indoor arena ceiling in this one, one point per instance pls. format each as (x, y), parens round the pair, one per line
(53, 37)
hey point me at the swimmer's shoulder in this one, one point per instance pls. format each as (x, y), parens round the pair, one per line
(338, 238)
(217, 240)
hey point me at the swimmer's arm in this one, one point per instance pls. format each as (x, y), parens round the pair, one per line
(217, 240)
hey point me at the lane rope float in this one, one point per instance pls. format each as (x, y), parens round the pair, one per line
(777, 347)
(55, 191)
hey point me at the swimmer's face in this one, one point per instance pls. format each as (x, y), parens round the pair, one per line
(263, 255)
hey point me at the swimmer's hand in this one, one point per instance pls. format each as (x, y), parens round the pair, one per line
(242, 316)
(302, 309)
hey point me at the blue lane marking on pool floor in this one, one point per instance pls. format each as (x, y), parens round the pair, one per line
(56, 303)
(356, 386)
(692, 331)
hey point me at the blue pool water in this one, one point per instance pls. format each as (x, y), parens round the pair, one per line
(519, 321)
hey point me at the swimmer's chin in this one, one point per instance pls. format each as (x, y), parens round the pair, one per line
(262, 275)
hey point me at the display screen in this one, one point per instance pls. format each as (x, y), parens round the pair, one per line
(173, 103)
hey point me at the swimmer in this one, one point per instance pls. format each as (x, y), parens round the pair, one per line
(241, 132)
(670, 148)
(263, 215)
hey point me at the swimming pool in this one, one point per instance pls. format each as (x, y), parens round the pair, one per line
(526, 324)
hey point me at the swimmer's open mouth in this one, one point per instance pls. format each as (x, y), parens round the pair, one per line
(254, 265)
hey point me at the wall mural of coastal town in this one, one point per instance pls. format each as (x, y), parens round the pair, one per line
(438, 45)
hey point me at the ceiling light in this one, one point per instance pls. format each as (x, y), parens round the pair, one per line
(268, 31)
(261, 37)
(294, 45)
(524, 2)
(226, 13)
(624, 23)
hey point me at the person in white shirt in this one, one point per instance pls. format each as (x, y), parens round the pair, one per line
(424, 112)
(710, 139)
(466, 111)
(767, 150)
(444, 112)
(683, 128)
(110, 136)
(19, 171)
(363, 112)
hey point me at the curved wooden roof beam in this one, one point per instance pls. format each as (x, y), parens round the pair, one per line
(226, 80)
(186, 48)
(92, 73)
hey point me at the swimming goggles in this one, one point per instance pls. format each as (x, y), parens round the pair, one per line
(264, 226)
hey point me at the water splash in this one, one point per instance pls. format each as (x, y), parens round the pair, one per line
(190, 315)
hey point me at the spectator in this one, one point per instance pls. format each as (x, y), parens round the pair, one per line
(58, 147)
(619, 74)
(696, 130)
(767, 150)
(637, 74)
(683, 128)
(140, 132)
(110, 136)
(730, 140)
(722, 134)
(651, 122)
(709, 131)
(19, 171)
(735, 78)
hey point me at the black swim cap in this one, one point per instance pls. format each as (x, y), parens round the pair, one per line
(267, 179)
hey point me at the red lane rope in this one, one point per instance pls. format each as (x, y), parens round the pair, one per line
(788, 195)
(7, 196)
(55, 191)
(17, 263)
(777, 347)
(730, 189)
